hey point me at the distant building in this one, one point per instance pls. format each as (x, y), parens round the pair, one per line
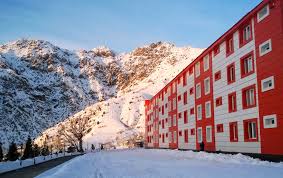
(231, 96)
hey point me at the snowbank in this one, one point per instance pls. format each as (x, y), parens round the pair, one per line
(13, 165)
(164, 163)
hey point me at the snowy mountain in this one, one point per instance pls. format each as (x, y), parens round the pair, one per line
(42, 85)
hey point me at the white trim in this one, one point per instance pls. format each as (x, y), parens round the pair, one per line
(263, 89)
(265, 15)
(199, 114)
(210, 138)
(208, 114)
(198, 95)
(199, 140)
(205, 88)
(206, 63)
(274, 125)
(267, 51)
(197, 69)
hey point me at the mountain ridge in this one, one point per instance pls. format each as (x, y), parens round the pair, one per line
(42, 85)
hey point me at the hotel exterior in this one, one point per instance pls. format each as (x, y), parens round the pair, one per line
(230, 98)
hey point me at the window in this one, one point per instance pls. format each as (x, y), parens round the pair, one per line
(217, 76)
(233, 131)
(270, 121)
(191, 91)
(163, 126)
(207, 86)
(208, 109)
(174, 87)
(264, 12)
(174, 103)
(192, 131)
(185, 117)
(170, 122)
(179, 98)
(218, 101)
(163, 110)
(250, 130)
(175, 137)
(184, 79)
(192, 111)
(231, 73)
(174, 120)
(247, 65)
(163, 138)
(208, 133)
(198, 90)
(197, 69)
(229, 46)
(179, 80)
(265, 47)
(206, 62)
(247, 33)
(186, 137)
(199, 132)
(232, 102)
(170, 137)
(249, 98)
(180, 133)
(219, 128)
(199, 112)
(185, 98)
(180, 115)
(267, 84)
(216, 50)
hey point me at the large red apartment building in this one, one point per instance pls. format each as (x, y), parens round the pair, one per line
(231, 96)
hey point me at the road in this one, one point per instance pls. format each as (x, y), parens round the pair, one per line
(32, 171)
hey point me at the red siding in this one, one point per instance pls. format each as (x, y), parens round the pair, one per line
(271, 64)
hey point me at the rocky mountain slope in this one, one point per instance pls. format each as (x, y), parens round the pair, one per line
(42, 85)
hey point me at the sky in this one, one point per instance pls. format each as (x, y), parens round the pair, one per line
(122, 25)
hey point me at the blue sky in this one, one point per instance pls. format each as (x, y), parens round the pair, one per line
(120, 24)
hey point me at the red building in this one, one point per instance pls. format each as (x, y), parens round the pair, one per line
(231, 96)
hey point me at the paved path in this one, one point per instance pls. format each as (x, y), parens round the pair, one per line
(32, 171)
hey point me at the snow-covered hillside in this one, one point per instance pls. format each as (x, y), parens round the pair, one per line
(42, 85)
(164, 163)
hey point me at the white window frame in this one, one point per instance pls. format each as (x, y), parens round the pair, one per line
(208, 112)
(198, 90)
(206, 88)
(247, 34)
(252, 133)
(199, 114)
(250, 99)
(206, 63)
(273, 116)
(248, 65)
(259, 19)
(266, 80)
(197, 69)
(199, 131)
(267, 51)
(210, 134)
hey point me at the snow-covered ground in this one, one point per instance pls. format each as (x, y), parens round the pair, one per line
(164, 163)
(13, 165)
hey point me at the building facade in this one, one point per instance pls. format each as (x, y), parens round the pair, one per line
(230, 98)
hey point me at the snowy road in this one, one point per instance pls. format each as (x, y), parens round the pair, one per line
(164, 163)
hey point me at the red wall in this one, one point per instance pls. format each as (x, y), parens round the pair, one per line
(209, 146)
(271, 64)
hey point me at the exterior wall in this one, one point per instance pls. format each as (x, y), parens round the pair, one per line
(159, 125)
(271, 64)
(222, 89)
(182, 126)
(204, 121)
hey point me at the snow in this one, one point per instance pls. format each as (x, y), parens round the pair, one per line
(164, 163)
(13, 165)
